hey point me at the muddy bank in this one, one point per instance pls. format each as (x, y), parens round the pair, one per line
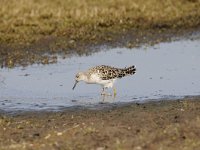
(152, 125)
(29, 30)
(46, 50)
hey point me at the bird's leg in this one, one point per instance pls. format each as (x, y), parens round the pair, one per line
(104, 93)
(114, 92)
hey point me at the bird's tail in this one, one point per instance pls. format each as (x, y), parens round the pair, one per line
(130, 70)
(127, 71)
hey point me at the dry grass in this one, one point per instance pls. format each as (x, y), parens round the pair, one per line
(29, 20)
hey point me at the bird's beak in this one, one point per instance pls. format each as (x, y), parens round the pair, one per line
(75, 85)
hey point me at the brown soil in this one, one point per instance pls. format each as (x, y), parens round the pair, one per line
(152, 125)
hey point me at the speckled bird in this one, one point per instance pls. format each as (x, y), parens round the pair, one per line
(103, 75)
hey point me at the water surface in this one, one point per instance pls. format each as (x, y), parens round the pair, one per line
(166, 70)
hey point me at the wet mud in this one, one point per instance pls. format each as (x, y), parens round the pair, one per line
(154, 125)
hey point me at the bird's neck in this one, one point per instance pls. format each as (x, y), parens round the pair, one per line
(85, 77)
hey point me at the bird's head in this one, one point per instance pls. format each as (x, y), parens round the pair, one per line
(79, 77)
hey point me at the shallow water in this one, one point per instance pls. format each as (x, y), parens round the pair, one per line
(166, 70)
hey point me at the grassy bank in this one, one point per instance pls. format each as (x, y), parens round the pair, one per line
(29, 27)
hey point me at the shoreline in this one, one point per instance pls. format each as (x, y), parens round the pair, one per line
(101, 106)
(151, 125)
(45, 51)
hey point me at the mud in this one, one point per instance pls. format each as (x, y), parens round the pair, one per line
(153, 125)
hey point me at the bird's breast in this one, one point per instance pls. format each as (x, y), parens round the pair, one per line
(93, 79)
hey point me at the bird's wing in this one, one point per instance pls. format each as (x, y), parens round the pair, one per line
(106, 72)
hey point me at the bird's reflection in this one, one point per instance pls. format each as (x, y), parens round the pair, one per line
(2, 79)
(107, 99)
